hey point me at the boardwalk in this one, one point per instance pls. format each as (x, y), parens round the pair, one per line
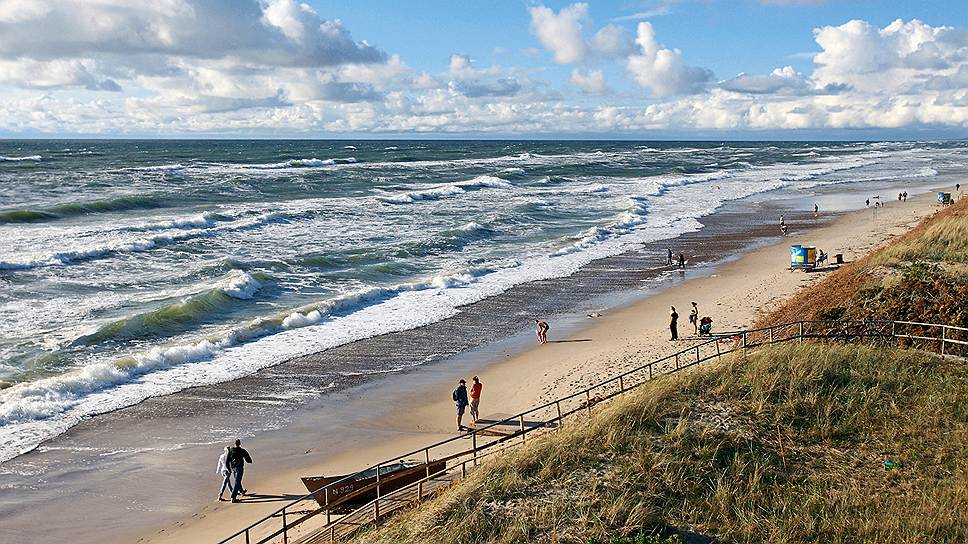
(343, 527)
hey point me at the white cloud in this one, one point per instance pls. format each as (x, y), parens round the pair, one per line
(590, 82)
(563, 34)
(901, 56)
(287, 70)
(661, 70)
(784, 80)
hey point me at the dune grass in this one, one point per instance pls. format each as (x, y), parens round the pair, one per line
(875, 448)
(942, 238)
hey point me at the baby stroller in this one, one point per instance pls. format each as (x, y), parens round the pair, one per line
(705, 326)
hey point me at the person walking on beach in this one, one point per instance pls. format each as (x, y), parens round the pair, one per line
(223, 470)
(905, 196)
(816, 211)
(475, 399)
(694, 318)
(541, 330)
(674, 323)
(460, 401)
(669, 261)
(236, 459)
(867, 202)
(682, 261)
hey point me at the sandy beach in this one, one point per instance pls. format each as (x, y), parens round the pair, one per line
(387, 417)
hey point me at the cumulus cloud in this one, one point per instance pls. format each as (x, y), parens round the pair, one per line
(278, 67)
(784, 80)
(901, 56)
(662, 70)
(96, 45)
(563, 34)
(590, 82)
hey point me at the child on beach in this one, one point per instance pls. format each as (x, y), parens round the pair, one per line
(541, 331)
(674, 323)
(475, 398)
(460, 401)
(222, 469)
(694, 318)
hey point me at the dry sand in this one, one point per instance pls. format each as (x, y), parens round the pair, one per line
(407, 416)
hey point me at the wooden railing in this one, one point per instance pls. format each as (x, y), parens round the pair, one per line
(454, 454)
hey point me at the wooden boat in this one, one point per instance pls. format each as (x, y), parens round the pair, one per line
(392, 477)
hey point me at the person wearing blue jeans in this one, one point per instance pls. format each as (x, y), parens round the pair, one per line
(236, 460)
(223, 470)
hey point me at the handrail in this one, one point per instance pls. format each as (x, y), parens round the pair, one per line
(694, 357)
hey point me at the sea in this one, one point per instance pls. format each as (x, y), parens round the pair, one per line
(136, 269)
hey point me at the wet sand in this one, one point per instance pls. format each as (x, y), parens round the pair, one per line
(150, 470)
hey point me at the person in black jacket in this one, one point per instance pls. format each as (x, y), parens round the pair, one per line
(236, 460)
(460, 400)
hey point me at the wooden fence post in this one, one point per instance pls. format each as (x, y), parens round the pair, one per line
(558, 407)
(521, 421)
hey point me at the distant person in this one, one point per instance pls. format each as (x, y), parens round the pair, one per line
(867, 203)
(783, 229)
(236, 459)
(900, 196)
(541, 331)
(694, 318)
(460, 401)
(223, 470)
(674, 323)
(905, 196)
(475, 399)
(957, 187)
(816, 210)
(669, 260)
(682, 261)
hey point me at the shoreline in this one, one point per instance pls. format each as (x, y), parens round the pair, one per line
(404, 419)
(378, 418)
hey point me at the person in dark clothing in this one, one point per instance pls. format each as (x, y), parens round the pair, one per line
(674, 323)
(682, 261)
(460, 400)
(669, 261)
(236, 460)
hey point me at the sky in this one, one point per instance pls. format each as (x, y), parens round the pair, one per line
(622, 69)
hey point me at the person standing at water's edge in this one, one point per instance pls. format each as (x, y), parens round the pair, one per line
(460, 401)
(476, 399)
(674, 323)
(669, 259)
(694, 318)
(223, 470)
(682, 261)
(541, 330)
(236, 459)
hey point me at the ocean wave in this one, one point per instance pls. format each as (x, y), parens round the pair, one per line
(30, 158)
(173, 317)
(158, 168)
(63, 258)
(441, 191)
(49, 398)
(71, 209)
(293, 163)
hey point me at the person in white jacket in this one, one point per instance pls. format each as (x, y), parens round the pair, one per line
(225, 472)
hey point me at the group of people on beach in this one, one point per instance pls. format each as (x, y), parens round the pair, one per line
(461, 401)
(699, 325)
(231, 464)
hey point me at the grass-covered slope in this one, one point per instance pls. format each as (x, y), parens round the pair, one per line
(875, 444)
